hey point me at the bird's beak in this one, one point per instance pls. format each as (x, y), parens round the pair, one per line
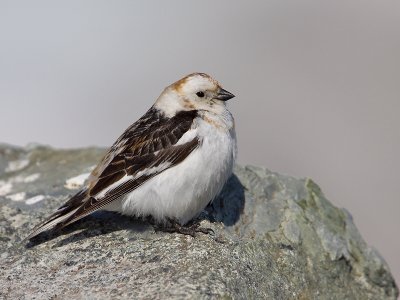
(224, 95)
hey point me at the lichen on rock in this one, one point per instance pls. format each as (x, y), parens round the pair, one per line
(276, 237)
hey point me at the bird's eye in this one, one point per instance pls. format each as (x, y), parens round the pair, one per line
(200, 94)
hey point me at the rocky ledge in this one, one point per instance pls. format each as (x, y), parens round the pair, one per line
(275, 237)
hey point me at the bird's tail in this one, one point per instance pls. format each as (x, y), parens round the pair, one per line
(55, 219)
(60, 216)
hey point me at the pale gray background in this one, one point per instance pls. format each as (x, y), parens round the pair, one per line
(317, 84)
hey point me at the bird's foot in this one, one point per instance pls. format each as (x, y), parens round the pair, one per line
(175, 227)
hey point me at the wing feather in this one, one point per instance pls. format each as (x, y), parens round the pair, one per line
(147, 148)
(168, 158)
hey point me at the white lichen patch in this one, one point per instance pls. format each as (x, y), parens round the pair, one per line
(32, 177)
(5, 188)
(17, 165)
(16, 179)
(76, 182)
(17, 196)
(91, 168)
(35, 199)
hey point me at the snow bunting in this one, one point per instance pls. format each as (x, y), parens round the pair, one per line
(168, 165)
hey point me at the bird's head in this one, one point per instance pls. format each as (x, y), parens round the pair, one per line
(197, 91)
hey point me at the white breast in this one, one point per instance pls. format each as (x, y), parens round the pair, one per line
(183, 191)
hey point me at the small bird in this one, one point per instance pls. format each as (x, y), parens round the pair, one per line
(168, 165)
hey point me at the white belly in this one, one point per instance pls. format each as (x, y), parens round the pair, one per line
(183, 191)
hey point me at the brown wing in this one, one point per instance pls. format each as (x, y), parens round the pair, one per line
(151, 133)
(147, 143)
(160, 162)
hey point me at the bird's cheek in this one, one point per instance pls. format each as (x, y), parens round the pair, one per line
(188, 105)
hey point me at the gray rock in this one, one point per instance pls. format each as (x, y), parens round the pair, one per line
(276, 237)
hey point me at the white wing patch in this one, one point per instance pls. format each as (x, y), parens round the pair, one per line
(149, 171)
(188, 136)
(103, 192)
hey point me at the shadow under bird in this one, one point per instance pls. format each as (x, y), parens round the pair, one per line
(168, 165)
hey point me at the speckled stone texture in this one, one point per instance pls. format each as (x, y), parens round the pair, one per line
(276, 237)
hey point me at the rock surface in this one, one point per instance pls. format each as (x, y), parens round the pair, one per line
(276, 237)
